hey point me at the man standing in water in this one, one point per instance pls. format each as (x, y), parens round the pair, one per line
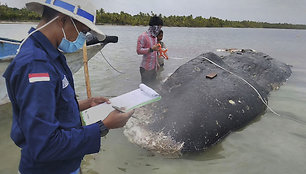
(148, 47)
(46, 115)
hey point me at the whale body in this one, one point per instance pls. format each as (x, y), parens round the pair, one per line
(197, 112)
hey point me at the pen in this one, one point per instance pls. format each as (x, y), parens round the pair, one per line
(122, 111)
(118, 109)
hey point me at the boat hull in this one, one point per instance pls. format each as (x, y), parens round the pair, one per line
(8, 47)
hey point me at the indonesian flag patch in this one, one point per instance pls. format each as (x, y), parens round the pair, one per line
(39, 77)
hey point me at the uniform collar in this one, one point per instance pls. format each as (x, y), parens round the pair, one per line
(45, 43)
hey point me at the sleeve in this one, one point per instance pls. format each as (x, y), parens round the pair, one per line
(36, 96)
(141, 45)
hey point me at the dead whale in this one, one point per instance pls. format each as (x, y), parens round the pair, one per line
(198, 110)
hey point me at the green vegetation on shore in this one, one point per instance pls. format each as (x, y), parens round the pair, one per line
(17, 15)
(122, 18)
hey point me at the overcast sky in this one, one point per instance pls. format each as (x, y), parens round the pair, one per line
(274, 11)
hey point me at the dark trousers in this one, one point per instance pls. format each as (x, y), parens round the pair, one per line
(147, 77)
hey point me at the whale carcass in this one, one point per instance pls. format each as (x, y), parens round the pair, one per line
(197, 112)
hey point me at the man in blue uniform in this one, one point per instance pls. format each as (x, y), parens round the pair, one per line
(46, 115)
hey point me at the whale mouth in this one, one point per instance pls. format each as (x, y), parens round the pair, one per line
(156, 142)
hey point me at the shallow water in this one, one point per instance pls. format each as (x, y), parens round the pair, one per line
(271, 144)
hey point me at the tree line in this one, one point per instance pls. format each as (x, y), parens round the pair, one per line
(122, 18)
(15, 14)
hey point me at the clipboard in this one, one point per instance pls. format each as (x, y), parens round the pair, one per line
(137, 98)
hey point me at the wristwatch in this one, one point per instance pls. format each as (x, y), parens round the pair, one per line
(151, 50)
(103, 129)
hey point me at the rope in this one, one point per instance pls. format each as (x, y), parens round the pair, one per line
(34, 32)
(110, 64)
(259, 95)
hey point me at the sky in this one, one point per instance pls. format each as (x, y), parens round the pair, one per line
(273, 11)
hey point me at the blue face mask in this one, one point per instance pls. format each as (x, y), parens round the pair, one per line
(69, 47)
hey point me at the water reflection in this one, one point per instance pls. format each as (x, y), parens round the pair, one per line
(214, 153)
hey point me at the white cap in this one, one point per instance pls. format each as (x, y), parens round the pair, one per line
(80, 10)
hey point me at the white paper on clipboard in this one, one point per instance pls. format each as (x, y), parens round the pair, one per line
(131, 100)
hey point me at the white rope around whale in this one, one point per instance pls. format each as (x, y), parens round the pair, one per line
(259, 95)
(111, 64)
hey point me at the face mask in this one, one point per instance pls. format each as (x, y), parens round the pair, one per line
(154, 30)
(69, 47)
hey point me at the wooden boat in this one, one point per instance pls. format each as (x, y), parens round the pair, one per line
(8, 49)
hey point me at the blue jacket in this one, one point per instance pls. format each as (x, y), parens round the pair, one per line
(46, 117)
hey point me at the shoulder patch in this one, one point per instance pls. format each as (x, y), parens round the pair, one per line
(65, 82)
(39, 77)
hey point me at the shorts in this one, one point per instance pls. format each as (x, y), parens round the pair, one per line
(147, 77)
